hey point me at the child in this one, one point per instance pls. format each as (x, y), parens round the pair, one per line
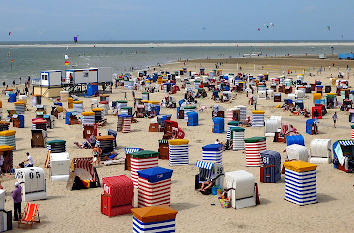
(96, 155)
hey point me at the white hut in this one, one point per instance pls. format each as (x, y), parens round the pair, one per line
(33, 183)
(271, 127)
(320, 150)
(297, 152)
(244, 193)
(59, 166)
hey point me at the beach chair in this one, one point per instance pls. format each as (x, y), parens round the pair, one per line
(30, 215)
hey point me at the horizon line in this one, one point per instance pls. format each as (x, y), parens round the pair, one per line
(182, 40)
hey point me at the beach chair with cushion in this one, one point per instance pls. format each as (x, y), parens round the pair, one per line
(30, 215)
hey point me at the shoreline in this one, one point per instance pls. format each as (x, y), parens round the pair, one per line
(291, 61)
(177, 45)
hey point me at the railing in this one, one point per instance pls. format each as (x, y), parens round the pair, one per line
(35, 81)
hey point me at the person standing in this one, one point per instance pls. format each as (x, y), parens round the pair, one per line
(1, 163)
(96, 155)
(255, 102)
(335, 117)
(17, 198)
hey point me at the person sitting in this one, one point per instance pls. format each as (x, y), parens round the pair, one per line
(228, 145)
(206, 185)
(219, 142)
(84, 145)
(292, 131)
(29, 160)
(248, 123)
(224, 194)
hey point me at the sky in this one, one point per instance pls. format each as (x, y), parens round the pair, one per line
(43, 20)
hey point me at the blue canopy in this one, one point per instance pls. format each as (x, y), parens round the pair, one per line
(205, 165)
(346, 143)
(155, 174)
(212, 147)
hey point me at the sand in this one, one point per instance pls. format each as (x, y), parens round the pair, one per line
(79, 211)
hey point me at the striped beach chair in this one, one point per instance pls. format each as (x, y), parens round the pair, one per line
(30, 216)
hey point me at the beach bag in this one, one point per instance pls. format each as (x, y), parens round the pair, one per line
(224, 203)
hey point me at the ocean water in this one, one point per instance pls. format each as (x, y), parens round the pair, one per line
(29, 58)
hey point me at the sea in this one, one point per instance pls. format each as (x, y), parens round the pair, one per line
(29, 58)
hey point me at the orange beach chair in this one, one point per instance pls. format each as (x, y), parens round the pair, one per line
(30, 216)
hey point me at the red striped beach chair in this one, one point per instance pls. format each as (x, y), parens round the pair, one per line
(30, 216)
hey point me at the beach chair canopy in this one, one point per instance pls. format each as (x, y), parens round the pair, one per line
(129, 150)
(204, 165)
(346, 143)
(206, 170)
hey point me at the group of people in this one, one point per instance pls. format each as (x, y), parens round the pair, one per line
(24, 91)
(90, 143)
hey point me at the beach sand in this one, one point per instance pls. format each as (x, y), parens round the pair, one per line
(79, 211)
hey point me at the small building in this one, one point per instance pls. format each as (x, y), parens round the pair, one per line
(88, 75)
(51, 78)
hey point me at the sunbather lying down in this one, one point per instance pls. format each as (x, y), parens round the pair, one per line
(84, 145)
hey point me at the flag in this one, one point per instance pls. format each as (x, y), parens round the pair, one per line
(12, 60)
(66, 57)
(66, 63)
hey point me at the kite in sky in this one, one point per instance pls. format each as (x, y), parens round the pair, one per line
(266, 26)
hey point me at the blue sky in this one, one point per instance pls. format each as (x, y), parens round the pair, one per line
(176, 20)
